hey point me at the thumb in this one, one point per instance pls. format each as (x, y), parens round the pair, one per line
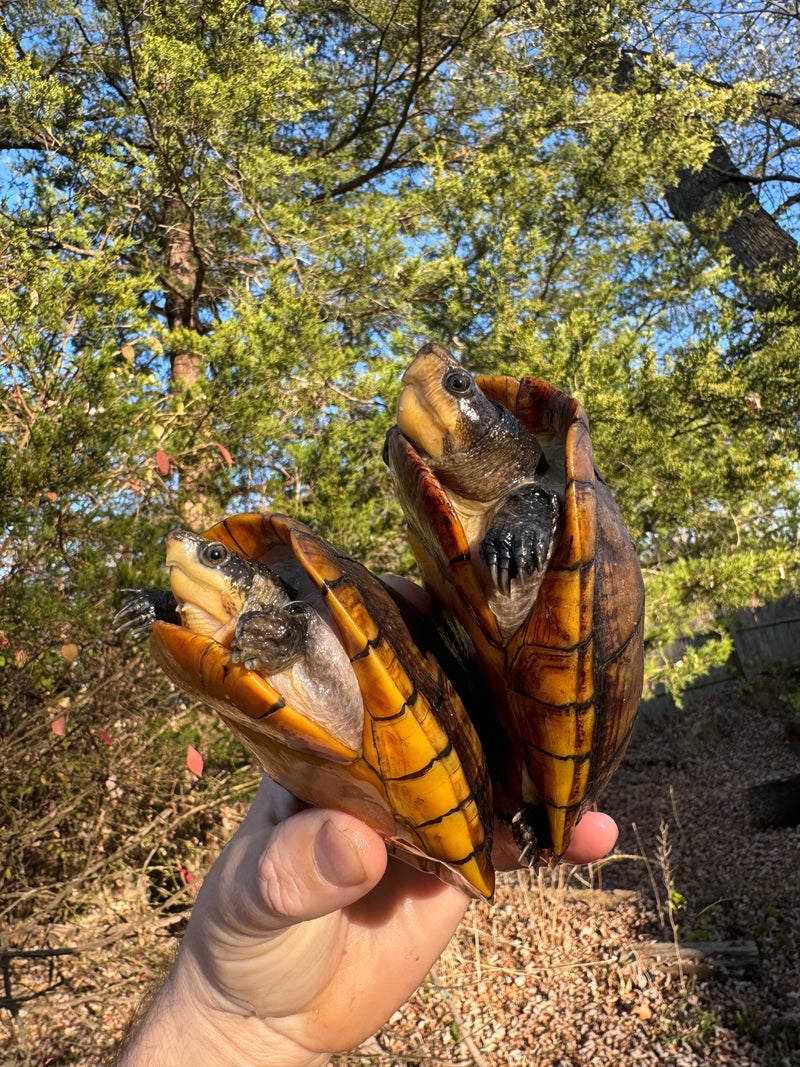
(285, 864)
(316, 862)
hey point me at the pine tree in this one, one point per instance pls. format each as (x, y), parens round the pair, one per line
(225, 230)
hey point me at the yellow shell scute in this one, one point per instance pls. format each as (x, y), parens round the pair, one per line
(405, 742)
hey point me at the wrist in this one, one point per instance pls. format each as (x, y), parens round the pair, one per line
(185, 1026)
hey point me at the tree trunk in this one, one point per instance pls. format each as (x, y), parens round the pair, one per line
(753, 238)
(704, 198)
(182, 278)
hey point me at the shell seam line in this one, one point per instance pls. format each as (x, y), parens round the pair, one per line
(372, 643)
(581, 563)
(446, 814)
(405, 709)
(330, 585)
(482, 847)
(565, 807)
(375, 770)
(570, 704)
(637, 626)
(448, 748)
(576, 758)
(235, 539)
(465, 557)
(579, 481)
(271, 711)
(551, 648)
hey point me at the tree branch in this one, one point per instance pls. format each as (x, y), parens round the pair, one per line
(719, 190)
(752, 237)
(420, 77)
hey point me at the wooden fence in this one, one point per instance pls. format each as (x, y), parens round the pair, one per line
(761, 636)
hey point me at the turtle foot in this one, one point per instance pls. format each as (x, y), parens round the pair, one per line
(146, 606)
(520, 537)
(271, 641)
(531, 833)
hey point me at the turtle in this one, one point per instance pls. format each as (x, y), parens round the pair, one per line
(331, 680)
(516, 533)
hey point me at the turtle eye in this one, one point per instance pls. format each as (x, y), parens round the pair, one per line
(458, 382)
(214, 554)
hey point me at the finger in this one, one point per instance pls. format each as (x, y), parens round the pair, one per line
(592, 838)
(318, 862)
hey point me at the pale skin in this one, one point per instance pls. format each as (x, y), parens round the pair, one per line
(304, 939)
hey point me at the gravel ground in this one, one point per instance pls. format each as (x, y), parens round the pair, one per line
(547, 978)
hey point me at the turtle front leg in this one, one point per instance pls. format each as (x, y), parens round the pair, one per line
(270, 640)
(521, 536)
(146, 606)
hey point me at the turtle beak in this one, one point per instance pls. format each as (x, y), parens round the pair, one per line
(205, 596)
(419, 422)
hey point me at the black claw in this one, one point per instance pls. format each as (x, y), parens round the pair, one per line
(520, 539)
(503, 580)
(146, 606)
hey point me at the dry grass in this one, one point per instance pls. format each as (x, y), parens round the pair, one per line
(99, 841)
(106, 835)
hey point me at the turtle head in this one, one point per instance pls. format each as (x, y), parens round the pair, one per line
(441, 410)
(474, 445)
(208, 580)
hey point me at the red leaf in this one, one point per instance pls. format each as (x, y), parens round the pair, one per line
(59, 725)
(225, 453)
(105, 737)
(194, 761)
(162, 459)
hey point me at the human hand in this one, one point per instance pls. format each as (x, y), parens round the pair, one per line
(302, 942)
(304, 938)
(297, 945)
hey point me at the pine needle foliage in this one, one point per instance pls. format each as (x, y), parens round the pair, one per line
(226, 227)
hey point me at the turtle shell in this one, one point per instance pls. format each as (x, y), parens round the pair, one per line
(418, 775)
(568, 680)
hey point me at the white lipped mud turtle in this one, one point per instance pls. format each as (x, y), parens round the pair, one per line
(308, 657)
(518, 536)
